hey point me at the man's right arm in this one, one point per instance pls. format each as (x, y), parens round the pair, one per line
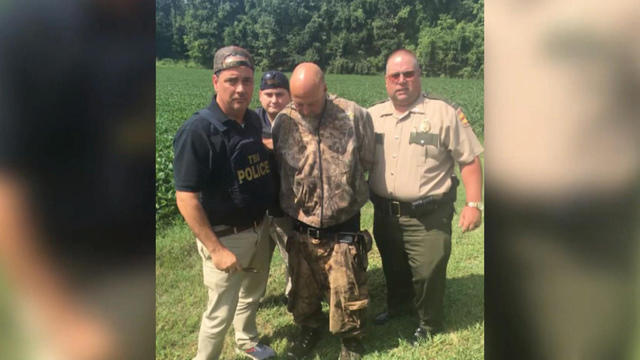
(196, 218)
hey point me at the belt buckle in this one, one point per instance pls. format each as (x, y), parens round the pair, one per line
(314, 233)
(394, 208)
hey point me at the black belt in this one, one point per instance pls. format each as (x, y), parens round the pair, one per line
(389, 207)
(235, 229)
(396, 208)
(331, 233)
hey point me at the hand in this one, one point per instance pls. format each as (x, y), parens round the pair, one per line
(225, 260)
(470, 218)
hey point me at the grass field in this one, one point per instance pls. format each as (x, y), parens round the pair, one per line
(181, 296)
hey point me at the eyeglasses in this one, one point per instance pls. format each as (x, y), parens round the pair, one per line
(408, 75)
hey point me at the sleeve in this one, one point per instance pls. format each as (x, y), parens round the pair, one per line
(460, 139)
(366, 139)
(192, 153)
(275, 128)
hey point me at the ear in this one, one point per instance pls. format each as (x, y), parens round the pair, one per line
(214, 81)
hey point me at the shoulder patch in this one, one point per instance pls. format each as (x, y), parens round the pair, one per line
(459, 113)
(462, 117)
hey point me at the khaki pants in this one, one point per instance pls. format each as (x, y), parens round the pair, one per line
(233, 297)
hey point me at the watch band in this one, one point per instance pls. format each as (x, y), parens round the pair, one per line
(475, 204)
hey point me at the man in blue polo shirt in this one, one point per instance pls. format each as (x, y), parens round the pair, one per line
(224, 184)
(274, 96)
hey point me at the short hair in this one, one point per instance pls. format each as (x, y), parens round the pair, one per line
(405, 51)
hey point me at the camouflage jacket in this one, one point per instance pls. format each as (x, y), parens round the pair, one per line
(322, 163)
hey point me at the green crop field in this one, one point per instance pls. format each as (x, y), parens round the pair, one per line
(181, 296)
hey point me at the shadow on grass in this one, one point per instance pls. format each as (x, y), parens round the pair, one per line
(464, 308)
(272, 301)
(327, 348)
(464, 302)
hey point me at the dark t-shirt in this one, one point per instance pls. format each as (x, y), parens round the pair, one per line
(266, 123)
(234, 186)
(274, 209)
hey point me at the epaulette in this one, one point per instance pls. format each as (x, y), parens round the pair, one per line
(435, 97)
(459, 112)
(380, 102)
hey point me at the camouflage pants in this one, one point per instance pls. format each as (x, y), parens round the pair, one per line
(327, 269)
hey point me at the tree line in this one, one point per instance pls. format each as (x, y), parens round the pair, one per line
(342, 36)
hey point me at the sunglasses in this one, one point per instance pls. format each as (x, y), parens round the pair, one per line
(408, 75)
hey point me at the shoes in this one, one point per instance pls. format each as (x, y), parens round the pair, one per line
(258, 352)
(352, 349)
(384, 317)
(421, 335)
(305, 342)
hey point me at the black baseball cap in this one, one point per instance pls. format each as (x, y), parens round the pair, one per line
(274, 79)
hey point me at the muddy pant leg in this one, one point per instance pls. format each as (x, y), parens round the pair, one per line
(348, 294)
(280, 228)
(305, 296)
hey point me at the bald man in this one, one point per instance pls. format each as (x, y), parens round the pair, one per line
(323, 146)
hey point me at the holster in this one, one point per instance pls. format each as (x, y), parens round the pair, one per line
(362, 241)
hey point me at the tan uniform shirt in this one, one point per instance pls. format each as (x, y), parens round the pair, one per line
(322, 163)
(415, 151)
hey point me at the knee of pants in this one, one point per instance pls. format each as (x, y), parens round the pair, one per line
(347, 280)
(430, 270)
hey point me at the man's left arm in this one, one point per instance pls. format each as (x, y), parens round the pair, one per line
(471, 173)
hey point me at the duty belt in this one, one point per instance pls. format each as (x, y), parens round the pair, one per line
(390, 207)
(396, 208)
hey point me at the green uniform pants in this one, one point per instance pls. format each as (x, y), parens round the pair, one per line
(415, 252)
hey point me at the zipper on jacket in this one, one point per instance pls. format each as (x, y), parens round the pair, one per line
(321, 180)
(324, 108)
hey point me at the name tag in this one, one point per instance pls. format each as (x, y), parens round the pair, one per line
(379, 138)
(423, 138)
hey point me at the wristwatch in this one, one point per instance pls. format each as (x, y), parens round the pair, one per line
(475, 204)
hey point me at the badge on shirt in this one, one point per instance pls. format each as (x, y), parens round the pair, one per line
(425, 126)
(462, 118)
(379, 138)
